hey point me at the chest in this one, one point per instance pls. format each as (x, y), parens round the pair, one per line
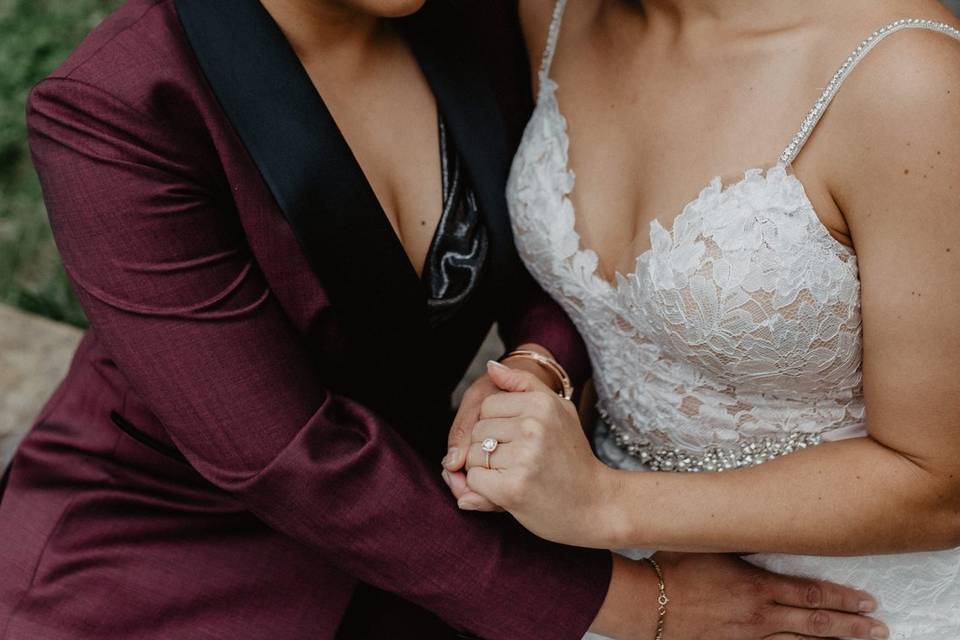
(390, 122)
(743, 284)
(649, 132)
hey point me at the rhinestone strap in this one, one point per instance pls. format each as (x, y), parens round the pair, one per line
(747, 452)
(552, 36)
(813, 117)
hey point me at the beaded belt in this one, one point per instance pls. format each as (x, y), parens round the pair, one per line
(747, 452)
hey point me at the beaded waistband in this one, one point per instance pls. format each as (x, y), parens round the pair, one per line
(746, 452)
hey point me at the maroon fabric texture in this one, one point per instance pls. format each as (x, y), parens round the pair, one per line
(207, 327)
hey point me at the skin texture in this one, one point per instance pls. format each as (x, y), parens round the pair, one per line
(881, 171)
(367, 74)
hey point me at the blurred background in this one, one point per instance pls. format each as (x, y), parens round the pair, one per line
(40, 320)
(35, 36)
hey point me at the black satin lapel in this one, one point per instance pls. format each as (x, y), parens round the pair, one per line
(445, 50)
(312, 173)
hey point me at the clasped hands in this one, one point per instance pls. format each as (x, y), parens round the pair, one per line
(542, 471)
(545, 474)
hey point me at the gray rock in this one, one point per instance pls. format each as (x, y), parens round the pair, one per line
(34, 356)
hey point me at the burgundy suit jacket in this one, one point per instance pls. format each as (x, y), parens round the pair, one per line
(251, 428)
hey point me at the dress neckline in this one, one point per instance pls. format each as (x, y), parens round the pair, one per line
(547, 91)
(715, 186)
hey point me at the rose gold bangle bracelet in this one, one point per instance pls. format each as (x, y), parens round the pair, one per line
(551, 365)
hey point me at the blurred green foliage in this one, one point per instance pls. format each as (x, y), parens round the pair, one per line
(35, 37)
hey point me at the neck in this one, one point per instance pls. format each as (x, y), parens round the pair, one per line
(737, 15)
(343, 37)
(686, 9)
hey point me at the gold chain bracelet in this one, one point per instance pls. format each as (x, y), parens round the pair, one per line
(662, 599)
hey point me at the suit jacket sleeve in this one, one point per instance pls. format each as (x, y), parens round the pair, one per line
(536, 318)
(162, 268)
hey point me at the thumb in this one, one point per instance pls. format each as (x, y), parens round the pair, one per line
(511, 380)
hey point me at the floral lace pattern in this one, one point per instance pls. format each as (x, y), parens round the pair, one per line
(741, 322)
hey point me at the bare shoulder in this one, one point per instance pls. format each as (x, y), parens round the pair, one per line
(906, 69)
(101, 46)
(895, 123)
(912, 76)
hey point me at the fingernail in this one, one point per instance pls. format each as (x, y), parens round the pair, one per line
(879, 633)
(497, 365)
(446, 476)
(866, 606)
(450, 457)
(467, 505)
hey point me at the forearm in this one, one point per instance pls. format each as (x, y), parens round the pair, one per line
(473, 572)
(844, 498)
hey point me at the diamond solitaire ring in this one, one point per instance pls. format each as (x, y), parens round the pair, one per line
(489, 445)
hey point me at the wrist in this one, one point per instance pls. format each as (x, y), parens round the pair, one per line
(623, 614)
(561, 383)
(608, 511)
(531, 366)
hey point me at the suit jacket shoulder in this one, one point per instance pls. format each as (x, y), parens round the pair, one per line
(138, 55)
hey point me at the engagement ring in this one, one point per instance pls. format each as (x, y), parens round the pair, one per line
(489, 445)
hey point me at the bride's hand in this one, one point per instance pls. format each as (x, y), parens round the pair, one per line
(543, 470)
(720, 596)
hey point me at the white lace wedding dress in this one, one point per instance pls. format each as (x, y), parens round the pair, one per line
(736, 339)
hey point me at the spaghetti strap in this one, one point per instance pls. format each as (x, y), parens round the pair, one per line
(552, 35)
(813, 116)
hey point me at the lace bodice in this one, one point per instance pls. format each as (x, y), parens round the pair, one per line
(737, 337)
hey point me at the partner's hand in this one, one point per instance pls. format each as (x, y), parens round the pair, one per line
(543, 471)
(742, 601)
(721, 597)
(458, 443)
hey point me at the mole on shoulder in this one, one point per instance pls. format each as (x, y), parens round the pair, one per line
(906, 172)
